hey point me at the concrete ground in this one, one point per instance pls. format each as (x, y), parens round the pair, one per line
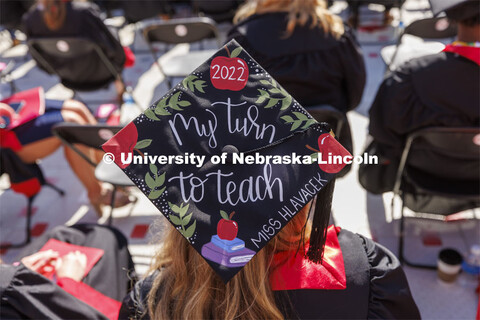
(353, 208)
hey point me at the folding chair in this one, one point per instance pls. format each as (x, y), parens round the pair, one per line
(94, 136)
(325, 113)
(429, 28)
(80, 63)
(176, 31)
(26, 179)
(440, 164)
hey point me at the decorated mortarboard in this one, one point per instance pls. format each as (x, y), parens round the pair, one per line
(456, 9)
(228, 157)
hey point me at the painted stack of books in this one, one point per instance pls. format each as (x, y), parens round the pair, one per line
(229, 253)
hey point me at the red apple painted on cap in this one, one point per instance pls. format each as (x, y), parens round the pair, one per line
(327, 145)
(227, 229)
(229, 73)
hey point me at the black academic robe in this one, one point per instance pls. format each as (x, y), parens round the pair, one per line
(358, 279)
(312, 65)
(82, 21)
(25, 294)
(12, 12)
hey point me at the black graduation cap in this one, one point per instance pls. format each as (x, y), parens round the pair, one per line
(457, 10)
(229, 153)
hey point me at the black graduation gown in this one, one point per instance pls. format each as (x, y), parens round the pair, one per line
(25, 294)
(12, 12)
(314, 67)
(82, 21)
(376, 288)
(114, 274)
(440, 90)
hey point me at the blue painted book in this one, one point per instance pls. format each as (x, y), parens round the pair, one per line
(228, 245)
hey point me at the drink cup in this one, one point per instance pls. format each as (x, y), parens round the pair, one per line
(449, 264)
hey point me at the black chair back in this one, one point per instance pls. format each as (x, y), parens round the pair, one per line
(80, 63)
(92, 136)
(432, 28)
(443, 162)
(325, 113)
(177, 31)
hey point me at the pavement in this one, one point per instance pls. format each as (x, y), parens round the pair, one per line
(353, 208)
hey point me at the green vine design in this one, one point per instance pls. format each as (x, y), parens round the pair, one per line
(169, 102)
(193, 83)
(155, 181)
(274, 95)
(182, 219)
(300, 119)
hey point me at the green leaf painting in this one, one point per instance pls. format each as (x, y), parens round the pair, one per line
(194, 84)
(155, 182)
(300, 120)
(143, 143)
(161, 109)
(274, 95)
(181, 219)
(236, 52)
(224, 215)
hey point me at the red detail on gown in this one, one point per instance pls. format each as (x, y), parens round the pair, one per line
(471, 53)
(297, 272)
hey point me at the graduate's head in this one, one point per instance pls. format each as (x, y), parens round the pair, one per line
(313, 13)
(189, 289)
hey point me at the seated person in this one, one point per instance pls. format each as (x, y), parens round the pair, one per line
(184, 286)
(27, 294)
(307, 49)
(78, 19)
(34, 140)
(439, 90)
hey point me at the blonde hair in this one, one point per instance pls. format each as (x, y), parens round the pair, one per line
(299, 13)
(188, 288)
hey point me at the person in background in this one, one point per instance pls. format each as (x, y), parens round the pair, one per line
(307, 49)
(64, 18)
(34, 140)
(439, 90)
